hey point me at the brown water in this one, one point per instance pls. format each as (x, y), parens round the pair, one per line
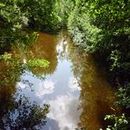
(74, 87)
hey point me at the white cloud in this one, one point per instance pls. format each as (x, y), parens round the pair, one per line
(37, 91)
(73, 84)
(45, 87)
(21, 85)
(64, 109)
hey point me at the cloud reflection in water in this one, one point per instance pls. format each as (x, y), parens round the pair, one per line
(60, 90)
(45, 87)
(64, 109)
(64, 113)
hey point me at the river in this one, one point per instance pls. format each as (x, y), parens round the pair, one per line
(71, 94)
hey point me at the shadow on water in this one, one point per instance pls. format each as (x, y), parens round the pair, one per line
(96, 94)
(73, 85)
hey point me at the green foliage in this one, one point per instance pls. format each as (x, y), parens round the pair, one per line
(93, 24)
(14, 66)
(120, 122)
(96, 25)
(5, 57)
(123, 95)
(40, 13)
(83, 32)
(37, 63)
(103, 27)
(123, 100)
(12, 25)
(63, 8)
(115, 57)
(17, 15)
(111, 16)
(10, 70)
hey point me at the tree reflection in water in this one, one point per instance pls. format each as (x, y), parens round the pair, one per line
(17, 113)
(76, 75)
(96, 94)
(22, 114)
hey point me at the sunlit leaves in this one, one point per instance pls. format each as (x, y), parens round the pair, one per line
(12, 67)
(120, 122)
(123, 95)
(115, 57)
(37, 63)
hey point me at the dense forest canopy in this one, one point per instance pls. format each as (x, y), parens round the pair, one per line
(100, 27)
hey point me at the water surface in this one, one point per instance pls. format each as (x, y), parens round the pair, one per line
(74, 87)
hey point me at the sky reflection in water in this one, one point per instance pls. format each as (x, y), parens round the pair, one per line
(75, 88)
(60, 90)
